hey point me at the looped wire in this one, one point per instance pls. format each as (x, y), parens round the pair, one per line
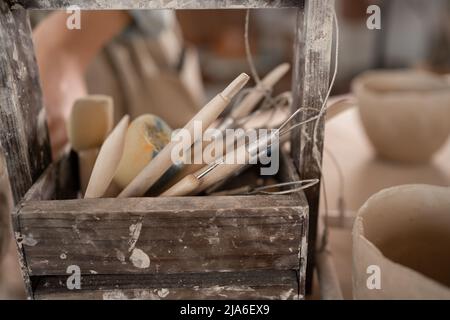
(281, 101)
(304, 184)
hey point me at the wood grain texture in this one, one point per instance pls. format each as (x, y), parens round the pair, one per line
(267, 284)
(157, 4)
(179, 236)
(311, 77)
(6, 205)
(190, 234)
(59, 181)
(289, 173)
(23, 133)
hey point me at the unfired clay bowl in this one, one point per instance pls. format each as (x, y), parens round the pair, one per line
(405, 113)
(402, 236)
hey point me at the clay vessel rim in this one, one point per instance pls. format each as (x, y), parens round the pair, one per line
(369, 80)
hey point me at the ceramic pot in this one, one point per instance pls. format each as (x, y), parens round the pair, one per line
(406, 113)
(401, 244)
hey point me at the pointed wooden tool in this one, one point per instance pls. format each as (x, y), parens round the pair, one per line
(251, 100)
(243, 109)
(107, 161)
(207, 115)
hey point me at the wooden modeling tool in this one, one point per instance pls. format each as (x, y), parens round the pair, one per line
(146, 136)
(335, 106)
(207, 115)
(90, 121)
(107, 161)
(210, 174)
(252, 99)
(184, 187)
(243, 109)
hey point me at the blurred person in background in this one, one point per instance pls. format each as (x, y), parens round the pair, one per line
(124, 54)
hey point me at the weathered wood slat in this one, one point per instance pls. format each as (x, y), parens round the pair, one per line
(288, 173)
(310, 83)
(23, 133)
(6, 205)
(161, 235)
(59, 181)
(158, 4)
(216, 233)
(267, 284)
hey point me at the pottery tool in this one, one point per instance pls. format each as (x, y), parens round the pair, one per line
(159, 165)
(220, 170)
(207, 176)
(241, 110)
(184, 187)
(107, 161)
(335, 106)
(254, 96)
(90, 121)
(146, 136)
(266, 189)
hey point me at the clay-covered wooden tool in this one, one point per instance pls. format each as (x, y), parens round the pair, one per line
(207, 115)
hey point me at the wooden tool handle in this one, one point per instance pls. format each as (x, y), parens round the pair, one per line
(240, 156)
(107, 161)
(86, 162)
(90, 122)
(219, 173)
(245, 154)
(159, 165)
(250, 100)
(184, 187)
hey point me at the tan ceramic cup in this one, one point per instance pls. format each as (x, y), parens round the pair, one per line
(401, 244)
(405, 113)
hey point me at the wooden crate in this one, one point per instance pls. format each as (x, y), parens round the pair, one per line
(198, 247)
(210, 247)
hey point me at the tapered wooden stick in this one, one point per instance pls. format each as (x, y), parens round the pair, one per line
(193, 184)
(183, 187)
(241, 110)
(107, 161)
(159, 165)
(249, 102)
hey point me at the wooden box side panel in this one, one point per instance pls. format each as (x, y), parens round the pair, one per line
(23, 132)
(49, 225)
(160, 4)
(162, 235)
(311, 76)
(266, 284)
